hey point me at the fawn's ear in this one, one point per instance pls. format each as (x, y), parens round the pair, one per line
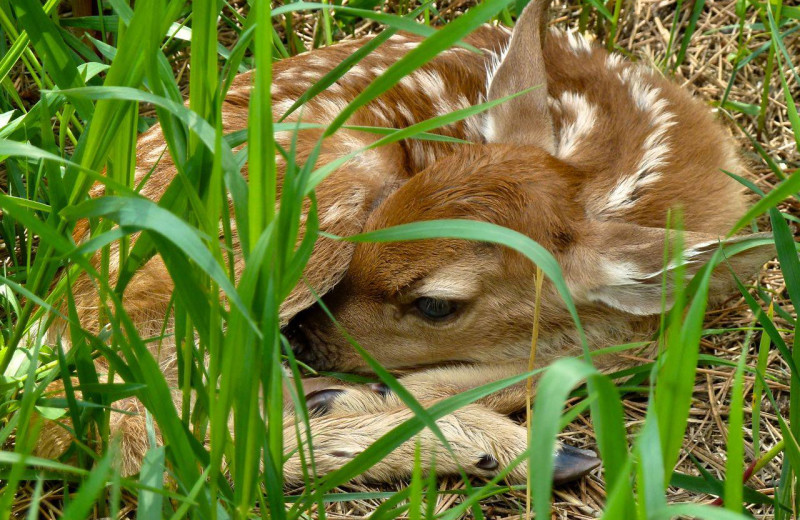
(623, 266)
(524, 119)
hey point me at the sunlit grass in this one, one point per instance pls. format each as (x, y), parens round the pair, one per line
(82, 130)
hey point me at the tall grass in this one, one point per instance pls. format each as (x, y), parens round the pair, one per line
(82, 129)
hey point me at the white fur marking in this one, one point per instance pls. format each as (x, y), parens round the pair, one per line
(578, 43)
(614, 61)
(583, 118)
(348, 209)
(430, 83)
(405, 112)
(330, 106)
(318, 61)
(656, 147)
(358, 70)
(280, 107)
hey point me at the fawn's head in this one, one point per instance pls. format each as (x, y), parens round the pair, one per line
(438, 301)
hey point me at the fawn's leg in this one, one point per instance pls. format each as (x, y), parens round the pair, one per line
(483, 442)
(427, 385)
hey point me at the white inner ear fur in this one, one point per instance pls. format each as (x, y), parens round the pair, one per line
(637, 287)
(626, 287)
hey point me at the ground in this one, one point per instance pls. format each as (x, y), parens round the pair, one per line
(644, 33)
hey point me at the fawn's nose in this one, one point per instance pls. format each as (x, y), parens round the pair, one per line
(307, 347)
(294, 334)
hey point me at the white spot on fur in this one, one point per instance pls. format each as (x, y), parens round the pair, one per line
(344, 209)
(422, 155)
(578, 43)
(155, 154)
(316, 60)
(614, 61)
(358, 70)
(406, 112)
(655, 149)
(409, 82)
(280, 107)
(554, 105)
(367, 161)
(336, 88)
(377, 110)
(430, 83)
(381, 105)
(448, 105)
(330, 106)
(583, 118)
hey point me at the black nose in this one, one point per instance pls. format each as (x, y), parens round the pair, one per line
(295, 335)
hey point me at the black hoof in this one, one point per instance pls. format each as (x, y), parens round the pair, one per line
(380, 388)
(487, 462)
(573, 463)
(321, 400)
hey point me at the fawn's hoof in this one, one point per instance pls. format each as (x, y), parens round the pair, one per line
(320, 401)
(573, 463)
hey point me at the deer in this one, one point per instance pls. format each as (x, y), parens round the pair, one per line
(589, 164)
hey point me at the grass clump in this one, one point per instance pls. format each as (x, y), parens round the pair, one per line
(720, 404)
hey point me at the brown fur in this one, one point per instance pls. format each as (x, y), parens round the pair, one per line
(588, 165)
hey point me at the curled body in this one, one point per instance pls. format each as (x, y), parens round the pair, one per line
(589, 165)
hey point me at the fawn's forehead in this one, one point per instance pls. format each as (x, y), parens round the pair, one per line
(387, 269)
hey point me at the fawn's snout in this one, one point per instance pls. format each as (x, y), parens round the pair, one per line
(311, 344)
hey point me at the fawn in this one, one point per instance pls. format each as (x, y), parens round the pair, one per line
(588, 165)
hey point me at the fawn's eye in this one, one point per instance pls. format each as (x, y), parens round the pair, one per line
(434, 308)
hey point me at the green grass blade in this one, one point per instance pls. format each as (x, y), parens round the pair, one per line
(734, 468)
(47, 40)
(786, 188)
(423, 53)
(697, 9)
(551, 394)
(141, 214)
(83, 501)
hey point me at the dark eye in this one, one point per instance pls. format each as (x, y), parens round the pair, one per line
(435, 309)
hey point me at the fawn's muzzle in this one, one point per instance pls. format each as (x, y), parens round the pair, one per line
(307, 347)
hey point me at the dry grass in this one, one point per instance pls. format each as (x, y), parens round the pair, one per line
(644, 32)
